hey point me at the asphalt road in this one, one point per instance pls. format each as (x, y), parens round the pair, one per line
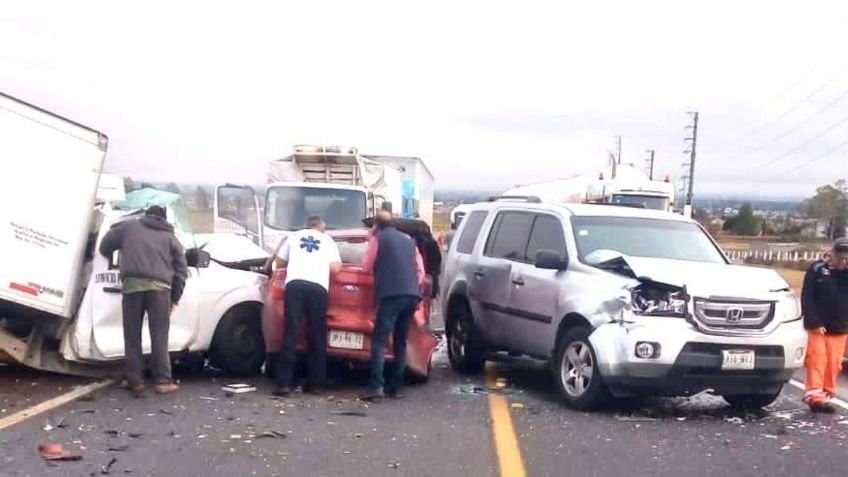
(442, 428)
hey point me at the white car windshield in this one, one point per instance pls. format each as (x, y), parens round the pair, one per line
(602, 238)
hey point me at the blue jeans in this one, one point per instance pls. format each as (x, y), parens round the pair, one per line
(393, 316)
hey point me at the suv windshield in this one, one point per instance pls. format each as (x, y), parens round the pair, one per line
(645, 201)
(288, 208)
(600, 239)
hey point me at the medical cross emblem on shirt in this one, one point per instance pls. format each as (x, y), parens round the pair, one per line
(310, 244)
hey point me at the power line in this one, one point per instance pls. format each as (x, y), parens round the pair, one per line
(798, 103)
(805, 121)
(819, 157)
(803, 144)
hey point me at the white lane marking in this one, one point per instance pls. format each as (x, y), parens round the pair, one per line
(45, 406)
(835, 401)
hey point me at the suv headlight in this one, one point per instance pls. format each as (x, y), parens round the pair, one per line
(649, 301)
(789, 307)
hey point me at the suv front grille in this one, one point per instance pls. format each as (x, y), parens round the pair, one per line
(721, 315)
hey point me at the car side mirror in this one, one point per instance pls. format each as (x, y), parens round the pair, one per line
(550, 260)
(198, 258)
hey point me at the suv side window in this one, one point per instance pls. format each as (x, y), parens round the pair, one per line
(509, 236)
(546, 235)
(473, 224)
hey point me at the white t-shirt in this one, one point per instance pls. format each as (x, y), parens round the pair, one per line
(309, 254)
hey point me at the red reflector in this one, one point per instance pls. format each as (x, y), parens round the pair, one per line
(23, 289)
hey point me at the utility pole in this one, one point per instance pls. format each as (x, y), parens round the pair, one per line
(618, 146)
(691, 177)
(650, 164)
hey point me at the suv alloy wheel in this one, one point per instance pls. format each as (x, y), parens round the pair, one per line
(575, 369)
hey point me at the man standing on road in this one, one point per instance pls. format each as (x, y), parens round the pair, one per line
(153, 272)
(398, 273)
(309, 256)
(824, 300)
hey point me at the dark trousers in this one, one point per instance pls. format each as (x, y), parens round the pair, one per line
(394, 316)
(157, 305)
(304, 300)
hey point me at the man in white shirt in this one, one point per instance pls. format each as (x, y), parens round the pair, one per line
(309, 256)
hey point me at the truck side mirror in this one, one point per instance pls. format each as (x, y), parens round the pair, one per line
(550, 260)
(198, 258)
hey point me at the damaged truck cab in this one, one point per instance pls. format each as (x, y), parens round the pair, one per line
(620, 301)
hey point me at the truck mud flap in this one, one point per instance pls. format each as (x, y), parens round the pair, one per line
(30, 352)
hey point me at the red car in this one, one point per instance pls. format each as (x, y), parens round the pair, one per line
(350, 314)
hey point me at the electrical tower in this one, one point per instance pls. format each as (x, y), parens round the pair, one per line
(618, 147)
(649, 164)
(690, 179)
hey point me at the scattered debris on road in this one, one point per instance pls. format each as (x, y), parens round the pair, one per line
(107, 469)
(56, 452)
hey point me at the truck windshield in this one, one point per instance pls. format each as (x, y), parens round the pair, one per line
(602, 238)
(646, 201)
(288, 208)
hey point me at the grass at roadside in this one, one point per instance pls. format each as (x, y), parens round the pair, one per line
(794, 277)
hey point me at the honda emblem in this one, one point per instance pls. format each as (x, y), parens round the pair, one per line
(735, 314)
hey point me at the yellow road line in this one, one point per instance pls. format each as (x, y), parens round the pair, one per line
(45, 406)
(510, 462)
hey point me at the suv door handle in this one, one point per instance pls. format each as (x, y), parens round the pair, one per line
(518, 281)
(479, 273)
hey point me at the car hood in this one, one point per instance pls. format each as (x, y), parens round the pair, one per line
(707, 279)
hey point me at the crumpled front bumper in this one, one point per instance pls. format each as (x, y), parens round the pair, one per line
(690, 361)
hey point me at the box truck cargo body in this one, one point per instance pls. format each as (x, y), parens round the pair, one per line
(45, 219)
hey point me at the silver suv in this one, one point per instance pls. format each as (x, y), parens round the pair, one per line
(621, 301)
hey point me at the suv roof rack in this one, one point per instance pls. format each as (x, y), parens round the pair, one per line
(526, 198)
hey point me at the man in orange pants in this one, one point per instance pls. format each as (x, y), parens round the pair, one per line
(824, 300)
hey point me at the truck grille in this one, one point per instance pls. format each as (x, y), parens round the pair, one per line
(733, 315)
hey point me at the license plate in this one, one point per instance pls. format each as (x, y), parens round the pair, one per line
(734, 359)
(347, 340)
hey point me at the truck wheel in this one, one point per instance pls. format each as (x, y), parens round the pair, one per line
(465, 348)
(752, 402)
(238, 346)
(576, 372)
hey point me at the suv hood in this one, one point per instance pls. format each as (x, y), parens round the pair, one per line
(703, 279)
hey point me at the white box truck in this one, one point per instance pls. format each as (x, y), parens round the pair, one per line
(336, 183)
(52, 166)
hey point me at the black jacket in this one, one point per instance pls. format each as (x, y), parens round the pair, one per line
(149, 249)
(824, 299)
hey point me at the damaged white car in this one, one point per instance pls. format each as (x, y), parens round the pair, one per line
(60, 301)
(620, 301)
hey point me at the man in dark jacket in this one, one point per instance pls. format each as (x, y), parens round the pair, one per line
(824, 300)
(398, 273)
(153, 272)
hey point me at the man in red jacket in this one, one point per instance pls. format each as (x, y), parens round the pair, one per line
(824, 300)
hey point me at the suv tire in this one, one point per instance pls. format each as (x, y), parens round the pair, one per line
(465, 348)
(576, 372)
(752, 402)
(238, 346)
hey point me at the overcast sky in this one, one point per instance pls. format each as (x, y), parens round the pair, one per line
(489, 94)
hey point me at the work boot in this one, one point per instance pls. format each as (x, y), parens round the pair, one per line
(372, 395)
(282, 391)
(166, 388)
(822, 408)
(135, 389)
(395, 394)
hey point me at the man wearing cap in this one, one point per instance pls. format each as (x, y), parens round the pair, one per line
(398, 273)
(824, 301)
(309, 256)
(153, 273)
